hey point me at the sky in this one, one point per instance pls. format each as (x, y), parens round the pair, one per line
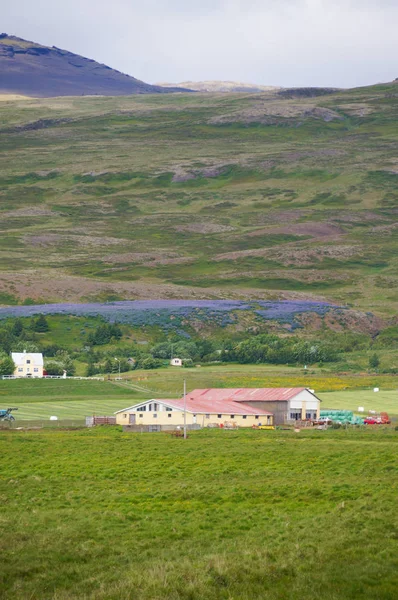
(339, 43)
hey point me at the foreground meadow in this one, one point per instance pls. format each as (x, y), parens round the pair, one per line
(98, 514)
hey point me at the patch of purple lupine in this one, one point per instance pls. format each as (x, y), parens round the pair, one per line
(112, 310)
(285, 311)
(173, 314)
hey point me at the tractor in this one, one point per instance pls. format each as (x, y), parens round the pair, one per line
(5, 415)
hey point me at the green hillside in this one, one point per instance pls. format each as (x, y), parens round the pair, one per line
(202, 196)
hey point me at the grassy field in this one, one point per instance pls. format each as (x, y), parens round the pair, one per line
(65, 399)
(201, 196)
(102, 515)
(385, 400)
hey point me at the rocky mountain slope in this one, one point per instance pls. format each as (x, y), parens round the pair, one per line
(29, 69)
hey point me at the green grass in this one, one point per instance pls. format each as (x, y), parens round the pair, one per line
(102, 515)
(70, 399)
(384, 400)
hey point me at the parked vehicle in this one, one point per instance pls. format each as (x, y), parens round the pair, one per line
(382, 419)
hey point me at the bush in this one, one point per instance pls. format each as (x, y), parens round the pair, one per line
(40, 324)
(104, 334)
(374, 361)
(54, 368)
(7, 366)
(150, 363)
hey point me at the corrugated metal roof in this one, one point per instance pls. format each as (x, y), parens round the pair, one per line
(245, 394)
(223, 407)
(214, 406)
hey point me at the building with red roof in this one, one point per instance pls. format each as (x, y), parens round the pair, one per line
(244, 407)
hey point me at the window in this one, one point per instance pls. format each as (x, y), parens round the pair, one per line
(232, 416)
(141, 408)
(256, 417)
(169, 416)
(20, 370)
(207, 416)
(244, 417)
(36, 370)
(141, 416)
(155, 416)
(168, 409)
(219, 416)
(296, 415)
(28, 362)
(125, 416)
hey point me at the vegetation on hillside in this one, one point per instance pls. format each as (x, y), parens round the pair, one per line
(91, 346)
(239, 196)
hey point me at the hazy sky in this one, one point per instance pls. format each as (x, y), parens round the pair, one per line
(274, 42)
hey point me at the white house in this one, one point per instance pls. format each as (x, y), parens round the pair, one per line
(176, 362)
(28, 364)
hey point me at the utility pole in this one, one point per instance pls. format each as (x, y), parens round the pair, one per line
(185, 410)
(119, 365)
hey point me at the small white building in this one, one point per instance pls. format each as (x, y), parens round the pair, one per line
(28, 364)
(176, 362)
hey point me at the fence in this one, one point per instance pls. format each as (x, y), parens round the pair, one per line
(43, 424)
(92, 421)
(53, 377)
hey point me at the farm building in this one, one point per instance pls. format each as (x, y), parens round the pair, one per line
(176, 362)
(28, 364)
(201, 412)
(286, 404)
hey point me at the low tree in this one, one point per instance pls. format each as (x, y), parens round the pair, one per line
(374, 361)
(54, 367)
(17, 327)
(148, 362)
(91, 370)
(7, 366)
(108, 366)
(40, 324)
(25, 346)
(6, 340)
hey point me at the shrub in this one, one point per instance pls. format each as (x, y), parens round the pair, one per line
(40, 324)
(7, 366)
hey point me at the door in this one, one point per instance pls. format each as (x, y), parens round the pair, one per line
(132, 419)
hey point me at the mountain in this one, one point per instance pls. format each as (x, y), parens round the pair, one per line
(30, 69)
(251, 196)
(220, 86)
